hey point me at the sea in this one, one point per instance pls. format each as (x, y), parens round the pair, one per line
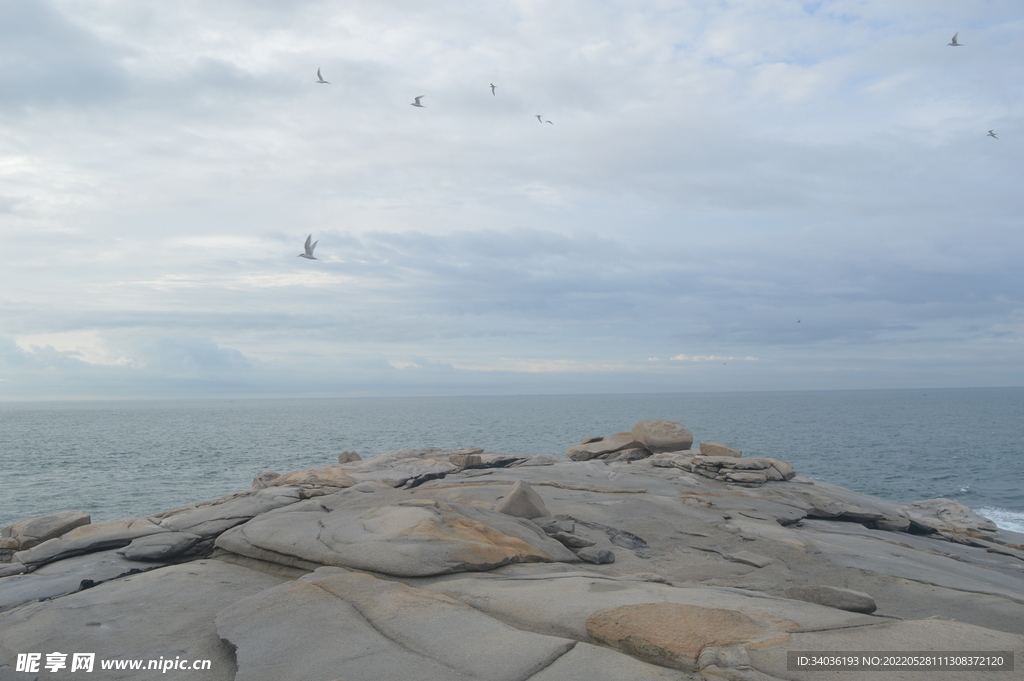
(117, 459)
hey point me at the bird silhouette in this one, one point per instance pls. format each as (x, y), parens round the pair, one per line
(991, 133)
(417, 102)
(309, 249)
(320, 79)
(953, 42)
(492, 88)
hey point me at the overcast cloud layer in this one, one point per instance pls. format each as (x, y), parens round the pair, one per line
(713, 173)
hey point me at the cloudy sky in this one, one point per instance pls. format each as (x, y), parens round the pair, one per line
(731, 195)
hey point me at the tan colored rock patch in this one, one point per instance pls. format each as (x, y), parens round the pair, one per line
(673, 634)
(329, 476)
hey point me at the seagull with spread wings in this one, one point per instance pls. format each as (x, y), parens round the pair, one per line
(417, 102)
(308, 255)
(953, 42)
(320, 79)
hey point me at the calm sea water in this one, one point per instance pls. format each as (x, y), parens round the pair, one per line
(121, 459)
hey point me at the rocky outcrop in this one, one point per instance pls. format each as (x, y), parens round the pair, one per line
(465, 564)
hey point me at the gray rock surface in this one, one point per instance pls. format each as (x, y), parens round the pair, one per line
(595, 447)
(162, 546)
(718, 449)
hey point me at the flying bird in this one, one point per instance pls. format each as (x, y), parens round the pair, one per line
(417, 102)
(798, 321)
(309, 248)
(991, 133)
(492, 88)
(320, 79)
(549, 122)
(953, 42)
(539, 118)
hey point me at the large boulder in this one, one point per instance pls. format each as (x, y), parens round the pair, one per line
(658, 435)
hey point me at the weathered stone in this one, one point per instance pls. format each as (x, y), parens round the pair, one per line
(136, 617)
(555, 525)
(112, 534)
(632, 454)
(748, 558)
(949, 518)
(658, 435)
(718, 449)
(465, 460)
(264, 480)
(34, 531)
(541, 460)
(787, 471)
(674, 635)
(522, 501)
(211, 520)
(414, 538)
(596, 556)
(333, 475)
(349, 457)
(334, 624)
(747, 477)
(162, 546)
(599, 446)
(571, 540)
(834, 597)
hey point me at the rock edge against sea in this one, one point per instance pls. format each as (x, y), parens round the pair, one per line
(634, 557)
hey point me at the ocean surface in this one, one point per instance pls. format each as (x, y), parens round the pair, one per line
(122, 459)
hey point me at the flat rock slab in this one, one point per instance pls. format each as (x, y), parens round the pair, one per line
(161, 546)
(161, 613)
(377, 629)
(586, 662)
(748, 558)
(595, 447)
(560, 604)
(674, 634)
(412, 538)
(66, 577)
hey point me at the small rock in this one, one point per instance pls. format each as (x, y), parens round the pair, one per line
(596, 556)
(349, 457)
(263, 480)
(833, 597)
(160, 546)
(331, 476)
(465, 460)
(659, 435)
(718, 449)
(748, 558)
(523, 502)
(555, 525)
(571, 540)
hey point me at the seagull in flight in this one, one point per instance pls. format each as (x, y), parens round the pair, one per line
(991, 133)
(309, 248)
(549, 122)
(954, 43)
(539, 120)
(417, 102)
(492, 88)
(320, 79)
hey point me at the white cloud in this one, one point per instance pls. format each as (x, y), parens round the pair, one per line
(711, 358)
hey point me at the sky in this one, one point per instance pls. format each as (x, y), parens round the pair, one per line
(731, 195)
